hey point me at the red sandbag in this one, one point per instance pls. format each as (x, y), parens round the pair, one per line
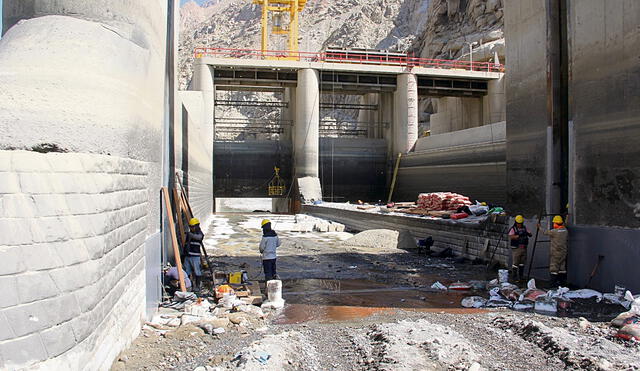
(459, 215)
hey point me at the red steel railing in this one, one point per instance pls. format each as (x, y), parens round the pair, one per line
(359, 57)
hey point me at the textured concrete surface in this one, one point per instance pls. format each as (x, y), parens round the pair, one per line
(526, 90)
(465, 239)
(74, 228)
(470, 162)
(306, 128)
(83, 81)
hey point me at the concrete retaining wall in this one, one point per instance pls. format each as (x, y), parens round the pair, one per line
(84, 81)
(470, 162)
(73, 230)
(465, 239)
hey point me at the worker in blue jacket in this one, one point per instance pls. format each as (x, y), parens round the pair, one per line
(268, 246)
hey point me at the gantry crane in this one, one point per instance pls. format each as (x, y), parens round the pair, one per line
(279, 9)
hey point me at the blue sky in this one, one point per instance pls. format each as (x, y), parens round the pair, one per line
(181, 1)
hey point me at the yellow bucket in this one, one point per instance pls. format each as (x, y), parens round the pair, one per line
(235, 277)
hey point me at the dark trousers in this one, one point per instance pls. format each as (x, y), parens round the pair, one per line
(269, 266)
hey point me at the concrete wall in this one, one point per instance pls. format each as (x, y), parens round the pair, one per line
(85, 80)
(465, 239)
(470, 162)
(243, 169)
(604, 106)
(526, 89)
(194, 152)
(605, 171)
(73, 230)
(353, 169)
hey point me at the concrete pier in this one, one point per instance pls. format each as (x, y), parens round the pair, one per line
(306, 128)
(405, 108)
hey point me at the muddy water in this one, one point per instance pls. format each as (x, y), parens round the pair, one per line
(342, 300)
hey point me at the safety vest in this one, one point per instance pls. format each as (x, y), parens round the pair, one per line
(523, 239)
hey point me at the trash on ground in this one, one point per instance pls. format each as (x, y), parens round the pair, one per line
(438, 286)
(460, 286)
(474, 302)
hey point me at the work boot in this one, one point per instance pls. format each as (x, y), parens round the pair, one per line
(553, 282)
(562, 279)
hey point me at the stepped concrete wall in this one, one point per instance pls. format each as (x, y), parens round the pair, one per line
(79, 243)
(73, 230)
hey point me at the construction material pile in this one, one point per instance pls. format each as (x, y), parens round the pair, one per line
(442, 201)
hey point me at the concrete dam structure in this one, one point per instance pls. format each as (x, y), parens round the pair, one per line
(92, 127)
(352, 162)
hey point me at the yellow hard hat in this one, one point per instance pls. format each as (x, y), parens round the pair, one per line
(519, 219)
(558, 219)
(483, 203)
(265, 221)
(194, 221)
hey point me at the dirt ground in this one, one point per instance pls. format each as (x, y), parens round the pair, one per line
(351, 308)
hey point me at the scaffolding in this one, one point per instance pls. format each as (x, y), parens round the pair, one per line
(280, 8)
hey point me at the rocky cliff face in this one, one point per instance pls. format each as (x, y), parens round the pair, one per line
(379, 24)
(453, 24)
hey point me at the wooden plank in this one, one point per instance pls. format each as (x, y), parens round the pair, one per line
(179, 211)
(174, 239)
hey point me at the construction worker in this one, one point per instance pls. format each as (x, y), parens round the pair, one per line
(558, 251)
(191, 251)
(172, 280)
(268, 245)
(519, 237)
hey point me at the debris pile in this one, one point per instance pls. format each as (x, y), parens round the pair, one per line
(234, 311)
(558, 301)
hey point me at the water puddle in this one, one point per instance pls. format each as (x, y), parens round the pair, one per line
(343, 300)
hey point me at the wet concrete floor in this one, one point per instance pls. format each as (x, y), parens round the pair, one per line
(325, 282)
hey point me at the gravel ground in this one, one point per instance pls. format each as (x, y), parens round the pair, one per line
(359, 308)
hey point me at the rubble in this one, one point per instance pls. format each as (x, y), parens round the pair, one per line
(384, 239)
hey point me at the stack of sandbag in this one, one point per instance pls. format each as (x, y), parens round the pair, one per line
(442, 201)
(629, 322)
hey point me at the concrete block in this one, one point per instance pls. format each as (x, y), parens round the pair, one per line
(76, 183)
(71, 252)
(18, 206)
(40, 257)
(36, 183)
(5, 161)
(65, 162)
(9, 292)
(49, 229)
(5, 330)
(50, 205)
(58, 339)
(81, 203)
(72, 278)
(35, 286)
(26, 161)
(23, 351)
(11, 258)
(94, 246)
(10, 183)
(39, 315)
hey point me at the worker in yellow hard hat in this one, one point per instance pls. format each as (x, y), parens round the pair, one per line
(268, 246)
(558, 235)
(192, 253)
(519, 238)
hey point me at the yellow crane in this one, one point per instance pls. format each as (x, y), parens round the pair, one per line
(280, 8)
